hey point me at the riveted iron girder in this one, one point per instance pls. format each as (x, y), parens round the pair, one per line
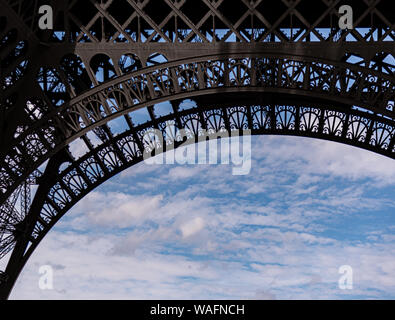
(272, 67)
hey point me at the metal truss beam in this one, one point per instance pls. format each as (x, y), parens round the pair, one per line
(273, 67)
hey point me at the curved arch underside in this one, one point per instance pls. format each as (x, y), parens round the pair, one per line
(79, 177)
(301, 78)
(250, 69)
(265, 95)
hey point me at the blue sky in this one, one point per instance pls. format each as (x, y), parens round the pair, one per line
(198, 232)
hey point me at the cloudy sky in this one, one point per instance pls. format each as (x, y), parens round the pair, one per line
(307, 208)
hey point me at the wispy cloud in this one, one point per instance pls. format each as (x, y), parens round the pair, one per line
(197, 232)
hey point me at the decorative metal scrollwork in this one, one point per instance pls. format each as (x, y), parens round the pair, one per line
(246, 69)
(166, 82)
(111, 157)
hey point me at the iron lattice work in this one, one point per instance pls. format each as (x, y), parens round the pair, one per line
(273, 67)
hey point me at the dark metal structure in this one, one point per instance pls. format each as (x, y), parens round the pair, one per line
(273, 67)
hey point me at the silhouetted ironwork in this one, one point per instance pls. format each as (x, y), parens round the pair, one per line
(272, 67)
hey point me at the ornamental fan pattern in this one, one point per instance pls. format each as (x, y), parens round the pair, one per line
(86, 100)
(123, 151)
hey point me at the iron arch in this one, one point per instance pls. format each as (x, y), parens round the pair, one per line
(302, 78)
(117, 153)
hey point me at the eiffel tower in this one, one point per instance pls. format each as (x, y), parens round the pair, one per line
(284, 67)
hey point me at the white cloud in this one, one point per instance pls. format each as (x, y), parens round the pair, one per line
(192, 227)
(313, 156)
(85, 268)
(115, 209)
(272, 234)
